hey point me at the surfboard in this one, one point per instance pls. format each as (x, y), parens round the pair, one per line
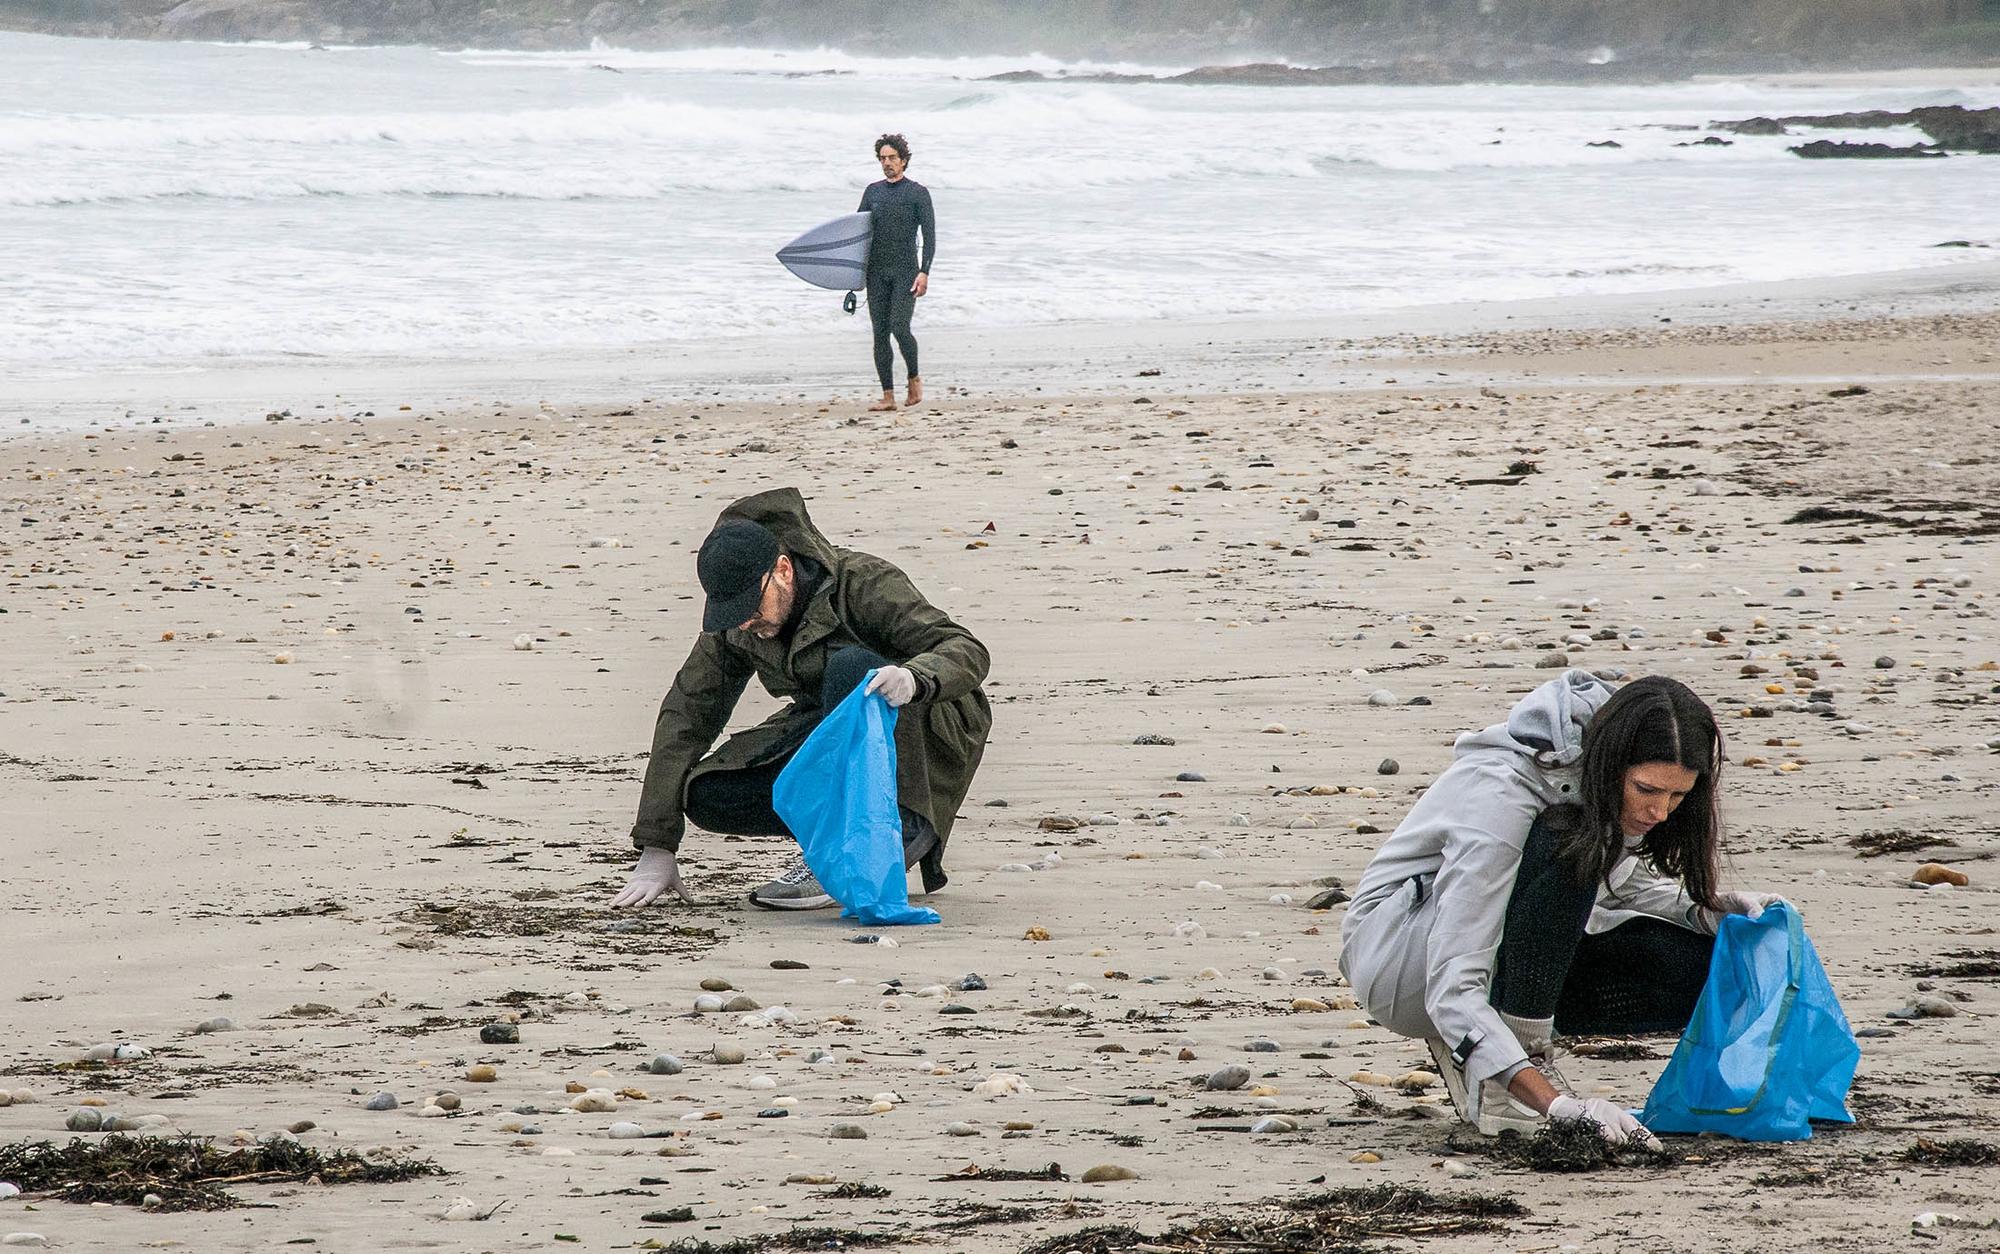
(833, 254)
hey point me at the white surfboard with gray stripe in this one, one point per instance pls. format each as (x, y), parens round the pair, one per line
(833, 254)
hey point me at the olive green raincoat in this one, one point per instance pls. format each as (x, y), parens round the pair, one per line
(864, 601)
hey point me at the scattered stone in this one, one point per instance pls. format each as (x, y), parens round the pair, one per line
(788, 964)
(847, 1132)
(1937, 873)
(302, 1127)
(707, 1004)
(1149, 738)
(1552, 661)
(1365, 1156)
(88, 1119)
(1191, 777)
(1261, 1045)
(1388, 766)
(728, 1055)
(773, 1112)
(1382, 696)
(960, 1129)
(500, 1034)
(383, 1101)
(1885, 662)
(221, 1023)
(1105, 1173)
(1275, 1123)
(1036, 934)
(481, 1073)
(970, 983)
(714, 984)
(739, 1003)
(664, 1064)
(1224, 1079)
(594, 1102)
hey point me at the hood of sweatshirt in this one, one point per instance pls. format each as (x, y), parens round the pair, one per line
(1547, 724)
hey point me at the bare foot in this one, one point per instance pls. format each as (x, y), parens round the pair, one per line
(883, 406)
(916, 396)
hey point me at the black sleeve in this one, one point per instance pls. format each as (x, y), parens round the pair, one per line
(863, 206)
(927, 219)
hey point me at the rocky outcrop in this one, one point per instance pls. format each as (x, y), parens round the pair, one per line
(1960, 129)
(1822, 148)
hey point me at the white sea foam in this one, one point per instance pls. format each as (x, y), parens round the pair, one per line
(192, 203)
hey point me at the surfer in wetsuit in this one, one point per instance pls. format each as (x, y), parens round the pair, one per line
(895, 276)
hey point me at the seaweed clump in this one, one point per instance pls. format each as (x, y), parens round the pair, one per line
(804, 1238)
(1316, 1223)
(1563, 1146)
(185, 1173)
(1958, 1153)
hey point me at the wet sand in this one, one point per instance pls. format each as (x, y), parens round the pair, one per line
(272, 752)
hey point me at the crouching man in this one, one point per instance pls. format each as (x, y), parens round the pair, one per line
(809, 620)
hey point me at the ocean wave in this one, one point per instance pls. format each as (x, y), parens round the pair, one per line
(801, 62)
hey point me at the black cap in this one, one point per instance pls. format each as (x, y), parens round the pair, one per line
(731, 566)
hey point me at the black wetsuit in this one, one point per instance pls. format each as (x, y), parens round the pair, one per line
(901, 208)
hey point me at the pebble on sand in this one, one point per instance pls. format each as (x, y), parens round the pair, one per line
(664, 1064)
(24, 1238)
(1037, 933)
(383, 1101)
(624, 1131)
(1104, 1173)
(481, 1073)
(1001, 1084)
(1388, 766)
(500, 1034)
(1935, 873)
(1233, 1076)
(728, 1055)
(1275, 1123)
(1382, 696)
(960, 1128)
(594, 1101)
(221, 1023)
(716, 984)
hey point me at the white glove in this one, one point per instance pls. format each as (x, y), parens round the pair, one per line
(657, 874)
(1749, 905)
(1618, 1124)
(896, 684)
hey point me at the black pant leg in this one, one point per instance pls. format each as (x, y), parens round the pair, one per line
(1644, 975)
(844, 671)
(1546, 914)
(902, 309)
(881, 311)
(737, 803)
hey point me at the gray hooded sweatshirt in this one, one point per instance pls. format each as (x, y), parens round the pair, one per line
(1419, 940)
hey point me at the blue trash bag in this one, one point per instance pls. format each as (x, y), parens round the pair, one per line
(1768, 1049)
(838, 795)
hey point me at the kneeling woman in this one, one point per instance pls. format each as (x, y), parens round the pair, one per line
(1560, 876)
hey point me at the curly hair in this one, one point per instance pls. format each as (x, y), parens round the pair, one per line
(901, 145)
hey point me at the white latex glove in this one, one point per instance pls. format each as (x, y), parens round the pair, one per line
(896, 684)
(1750, 905)
(1618, 1124)
(657, 874)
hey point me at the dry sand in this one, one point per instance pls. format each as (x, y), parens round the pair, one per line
(271, 752)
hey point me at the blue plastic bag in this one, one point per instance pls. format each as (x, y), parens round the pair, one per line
(1768, 1049)
(838, 795)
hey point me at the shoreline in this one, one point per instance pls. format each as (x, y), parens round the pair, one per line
(1060, 359)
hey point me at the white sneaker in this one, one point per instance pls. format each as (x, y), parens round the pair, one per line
(1493, 1109)
(795, 888)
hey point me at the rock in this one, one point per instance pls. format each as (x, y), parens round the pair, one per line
(1310, 1005)
(1935, 873)
(1326, 900)
(664, 1064)
(446, 1100)
(461, 1209)
(847, 1132)
(1705, 487)
(481, 1073)
(302, 1127)
(1460, 1171)
(1874, 1032)
(1382, 696)
(1224, 1079)
(960, 1129)
(221, 1023)
(1001, 1084)
(714, 984)
(1931, 1006)
(1365, 1156)
(383, 1101)
(1274, 729)
(594, 1101)
(707, 1004)
(1261, 1045)
(773, 1112)
(1885, 662)
(1149, 738)
(500, 1034)
(1552, 661)
(1191, 777)
(1388, 766)
(1415, 1081)
(1275, 1123)
(1036, 934)
(954, 1008)
(739, 1003)
(728, 1055)
(788, 964)
(88, 1119)
(1105, 1173)
(1824, 148)
(24, 1238)
(970, 982)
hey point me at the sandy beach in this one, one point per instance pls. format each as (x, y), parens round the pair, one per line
(332, 725)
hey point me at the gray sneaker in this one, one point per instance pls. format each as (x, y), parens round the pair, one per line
(1493, 1109)
(796, 888)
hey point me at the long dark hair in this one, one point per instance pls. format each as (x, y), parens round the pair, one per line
(1654, 719)
(896, 141)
